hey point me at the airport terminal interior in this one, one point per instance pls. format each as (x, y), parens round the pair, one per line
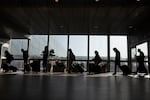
(50, 32)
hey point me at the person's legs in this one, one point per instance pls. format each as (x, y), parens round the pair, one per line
(115, 69)
(96, 69)
(25, 61)
(69, 68)
(25, 64)
(44, 67)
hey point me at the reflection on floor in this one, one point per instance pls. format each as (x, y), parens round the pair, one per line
(85, 74)
(75, 86)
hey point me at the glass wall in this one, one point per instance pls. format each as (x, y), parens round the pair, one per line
(119, 42)
(4, 47)
(15, 49)
(134, 53)
(133, 59)
(37, 44)
(59, 44)
(78, 44)
(98, 43)
(16, 45)
(144, 49)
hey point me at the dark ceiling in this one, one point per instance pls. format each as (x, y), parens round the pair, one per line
(25, 17)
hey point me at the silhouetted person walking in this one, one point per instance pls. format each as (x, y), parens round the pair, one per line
(45, 58)
(117, 59)
(7, 66)
(9, 57)
(25, 57)
(97, 59)
(140, 59)
(71, 58)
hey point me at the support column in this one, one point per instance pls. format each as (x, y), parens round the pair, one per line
(28, 45)
(67, 51)
(48, 40)
(129, 54)
(88, 52)
(108, 51)
(148, 43)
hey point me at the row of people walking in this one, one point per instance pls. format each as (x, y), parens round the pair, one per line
(97, 60)
(140, 61)
(71, 58)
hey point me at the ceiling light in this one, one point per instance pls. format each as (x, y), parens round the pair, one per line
(56, 0)
(138, 0)
(95, 26)
(130, 26)
(96, 0)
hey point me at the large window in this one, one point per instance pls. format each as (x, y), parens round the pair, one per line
(143, 48)
(119, 42)
(98, 43)
(59, 44)
(16, 45)
(4, 47)
(15, 48)
(78, 44)
(133, 53)
(133, 59)
(37, 44)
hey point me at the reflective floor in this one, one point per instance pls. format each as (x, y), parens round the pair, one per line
(62, 86)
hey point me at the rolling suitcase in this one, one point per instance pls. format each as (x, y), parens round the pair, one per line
(36, 66)
(79, 68)
(13, 68)
(125, 69)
